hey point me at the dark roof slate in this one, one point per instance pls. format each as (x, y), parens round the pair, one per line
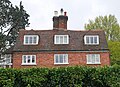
(46, 41)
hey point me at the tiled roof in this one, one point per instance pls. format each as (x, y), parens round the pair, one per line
(46, 41)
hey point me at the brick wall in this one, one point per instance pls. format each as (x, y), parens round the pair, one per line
(46, 59)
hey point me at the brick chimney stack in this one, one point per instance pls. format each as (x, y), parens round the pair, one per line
(60, 22)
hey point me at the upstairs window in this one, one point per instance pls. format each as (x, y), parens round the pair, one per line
(31, 39)
(61, 39)
(28, 59)
(91, 39)
(60, 58)
(93, 58)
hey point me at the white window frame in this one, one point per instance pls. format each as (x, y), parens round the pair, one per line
(61, 41)
(31, 63)
(93, 58)
(31, 36)
(91, 36)
(65, 58)
(8, 57)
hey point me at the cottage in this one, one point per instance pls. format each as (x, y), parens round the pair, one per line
(60, 46)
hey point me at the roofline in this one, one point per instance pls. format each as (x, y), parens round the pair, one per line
(78, 30)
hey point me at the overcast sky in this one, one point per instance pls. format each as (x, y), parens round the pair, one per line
(78, 11)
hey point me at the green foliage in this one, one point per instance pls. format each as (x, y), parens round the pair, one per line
(61, 77)
(7, 77)
(12, 18)
(115, 52)
(107, 23)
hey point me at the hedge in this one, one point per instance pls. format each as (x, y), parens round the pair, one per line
(77, 76)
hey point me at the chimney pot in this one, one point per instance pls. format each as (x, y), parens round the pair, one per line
(55, 13)
(60, 22)
(61, 11)
(65, 13)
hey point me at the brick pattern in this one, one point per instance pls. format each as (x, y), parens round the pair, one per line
(46, 59)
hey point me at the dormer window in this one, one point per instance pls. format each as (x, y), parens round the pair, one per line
(31, 39)
(61, 39)
(91, 39)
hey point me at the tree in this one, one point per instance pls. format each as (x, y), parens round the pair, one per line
(12, 19)
(19, 21)
(107, 23)
(115, 52)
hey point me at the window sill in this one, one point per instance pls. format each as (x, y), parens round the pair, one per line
(60, 63)
(31, 44)
(28, 64)
(91, 44)
(93, 63)
(61, 43)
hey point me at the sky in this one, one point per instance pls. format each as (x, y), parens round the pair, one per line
(78, 11)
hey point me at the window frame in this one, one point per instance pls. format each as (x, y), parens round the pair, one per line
(29, 37)
(23, 63)
(65, 58)
(8, 57)
(90, 60)
(91, 36)
(59, 41)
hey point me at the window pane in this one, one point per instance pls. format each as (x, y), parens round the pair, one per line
(28, 59)
(61, 39)
(8, 60)
(88, 58)
(26, 39)
(97, 58)
(65, 58)
(24, 59)
(91, 40)
(34, 39)
(30, 40)
(61, 58)
(56, 59)
(87, 39)
(65, 39)
(93, 58)
(33, 59)
(95, 40)
(57, 39)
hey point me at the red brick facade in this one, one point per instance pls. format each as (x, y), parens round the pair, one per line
(76, 48)
(46, 59)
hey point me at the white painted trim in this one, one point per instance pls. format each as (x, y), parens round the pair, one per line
(26, 60)
(55, 40)
(94, 63)
(66, 56)
(28, 64)
(93, 38)
(60, 63)
(37, 38)
(90, 58)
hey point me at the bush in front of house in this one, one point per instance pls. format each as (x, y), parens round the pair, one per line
(77, 76)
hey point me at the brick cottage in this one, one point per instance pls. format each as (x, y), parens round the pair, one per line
(60, 46)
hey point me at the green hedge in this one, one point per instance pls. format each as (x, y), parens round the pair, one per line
(77, 76)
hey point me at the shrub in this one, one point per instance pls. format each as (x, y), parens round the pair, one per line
(77, 76)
